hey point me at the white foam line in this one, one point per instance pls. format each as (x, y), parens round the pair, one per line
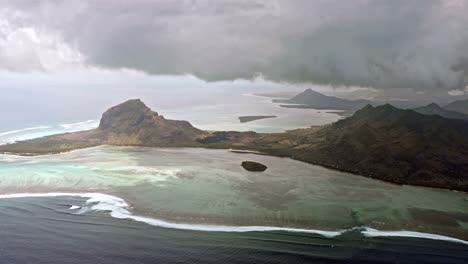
(23, 130)
(71, 125)
(26, 155)
(118, 209)
(370, 232)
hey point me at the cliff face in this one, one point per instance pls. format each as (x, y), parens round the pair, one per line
(133, 123)
(383, 142)
(128, 116)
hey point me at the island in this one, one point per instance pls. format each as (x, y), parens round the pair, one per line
(380, 142)
(246, 119)
(460, 106)
(253, 166)
(435, 109)
(312, 99)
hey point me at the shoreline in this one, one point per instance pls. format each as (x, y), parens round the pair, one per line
(352, 145)
(117, 208)
(252, 118)
(240, 151)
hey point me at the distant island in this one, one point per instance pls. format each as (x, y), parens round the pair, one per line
(435, 109)
(246, 119)
(315, 100)
(382, 142)
(460, 106)
(312, 99)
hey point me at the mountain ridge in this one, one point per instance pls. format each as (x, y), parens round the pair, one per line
(460, 106)
(435, 109)
(381, 142)
(317, 100)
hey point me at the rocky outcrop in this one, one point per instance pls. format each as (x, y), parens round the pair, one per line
(133, 123)
(253, 166)
(383, 142)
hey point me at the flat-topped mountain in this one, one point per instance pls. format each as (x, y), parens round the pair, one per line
(383, 142)
(435, 109)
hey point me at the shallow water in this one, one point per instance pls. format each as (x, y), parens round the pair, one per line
(46, 230)
(223, 114)
(209, 186)
(217, 114)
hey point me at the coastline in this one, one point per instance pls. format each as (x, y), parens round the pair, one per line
(147, 181)
(118, 207)
(251, 118)
(241, 151)
(363, 144)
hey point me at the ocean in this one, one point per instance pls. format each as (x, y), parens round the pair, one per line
(143, 205)
(45, 230)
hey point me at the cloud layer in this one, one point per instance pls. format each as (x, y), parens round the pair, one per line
(390, 45)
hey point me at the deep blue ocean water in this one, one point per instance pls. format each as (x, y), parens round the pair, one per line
(45, 230)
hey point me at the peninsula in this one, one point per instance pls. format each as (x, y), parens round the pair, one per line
(382, 142)
(246, 119)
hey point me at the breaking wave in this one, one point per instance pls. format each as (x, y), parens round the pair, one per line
(88, 124)
(118, 208)
(41, 131)
(23, 130)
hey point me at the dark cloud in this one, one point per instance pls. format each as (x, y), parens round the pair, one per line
(394, 44)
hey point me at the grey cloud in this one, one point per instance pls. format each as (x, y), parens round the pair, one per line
(393, 44)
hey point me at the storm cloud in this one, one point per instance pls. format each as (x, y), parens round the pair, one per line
(394, 44)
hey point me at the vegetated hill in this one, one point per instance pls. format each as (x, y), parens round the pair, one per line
(435, 109)
(383, 142)
(460, 106)
(396, 145)
(317, 100)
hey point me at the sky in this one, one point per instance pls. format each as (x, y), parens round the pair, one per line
(391, 49)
